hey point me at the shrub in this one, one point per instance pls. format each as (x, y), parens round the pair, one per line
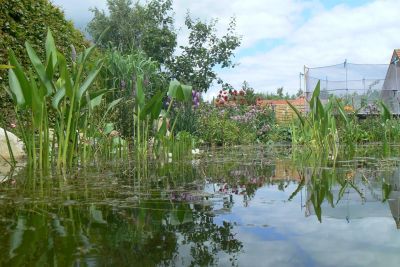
(234, 125)
(215, 128)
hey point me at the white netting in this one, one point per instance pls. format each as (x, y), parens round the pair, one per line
(358, 85)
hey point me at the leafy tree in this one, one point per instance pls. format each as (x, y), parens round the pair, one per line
(250, 96)
(147, 27)
(299, 93)
(279, 92)
(275, 96)
(197, 62)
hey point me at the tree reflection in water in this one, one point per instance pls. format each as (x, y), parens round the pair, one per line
(104, 222)
(166, 214)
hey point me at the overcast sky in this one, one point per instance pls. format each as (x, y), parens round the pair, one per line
(281, 36)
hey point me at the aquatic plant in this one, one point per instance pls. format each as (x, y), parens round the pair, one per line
(121, 73)
(55, 97)
(318, 127)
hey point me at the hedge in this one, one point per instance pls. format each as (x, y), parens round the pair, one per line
(28, 20)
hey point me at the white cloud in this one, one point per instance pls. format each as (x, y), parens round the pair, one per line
(365, 34)
(78, 10)
(308, 34)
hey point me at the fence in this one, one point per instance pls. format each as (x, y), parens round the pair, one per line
(360, 86)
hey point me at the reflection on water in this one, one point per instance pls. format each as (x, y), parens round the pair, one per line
(244, 207)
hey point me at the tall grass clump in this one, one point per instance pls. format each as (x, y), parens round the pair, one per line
(53, 104)
(166, 140)
(124, 73)
(318, 128)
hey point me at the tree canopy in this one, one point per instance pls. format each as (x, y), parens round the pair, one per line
(150, 27)
(147, 27)
(205, 51)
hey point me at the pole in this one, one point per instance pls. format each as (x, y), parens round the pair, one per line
(305, 88)
(364, 93)
(363, 84)
(345, 65)
(397, 85)
(326, 83)
(300, 81)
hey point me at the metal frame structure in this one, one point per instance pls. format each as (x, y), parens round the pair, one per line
(360, 86)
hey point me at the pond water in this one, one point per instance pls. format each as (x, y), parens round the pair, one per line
(247, 206)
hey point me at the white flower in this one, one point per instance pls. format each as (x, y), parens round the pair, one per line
(195, 151)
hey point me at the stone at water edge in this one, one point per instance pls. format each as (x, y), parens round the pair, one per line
(16, 145)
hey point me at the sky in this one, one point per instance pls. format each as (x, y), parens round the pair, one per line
(280, 37)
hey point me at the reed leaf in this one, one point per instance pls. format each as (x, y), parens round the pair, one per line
(140, 98)
(51, 51)
(88, 82)
(298, 114)
(40, 69)
(112, 105)
(2, 67)
(152, 107)
(15, 89)
(386, 114)
(58, 96)
(21, 77)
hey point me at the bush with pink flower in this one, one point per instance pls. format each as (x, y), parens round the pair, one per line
(238, 124)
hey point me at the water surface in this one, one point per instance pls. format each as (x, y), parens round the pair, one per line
(247, 206)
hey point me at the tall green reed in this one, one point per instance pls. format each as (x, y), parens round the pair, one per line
(122, 72)
(141, 88)
(318, 127)
(386, 118)
(54, 90)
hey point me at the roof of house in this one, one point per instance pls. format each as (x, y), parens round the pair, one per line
(397, 52)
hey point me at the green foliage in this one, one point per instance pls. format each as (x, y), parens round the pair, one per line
(120, 73)
(278, 95)
(195, 65)
(235, 125)
(249, 94)
(147, 27)
(258, 121)
(318, 128)
(279, 92)
(27, 20)
(280, 134)
(60, 88)
(186, 118)
(218, 130)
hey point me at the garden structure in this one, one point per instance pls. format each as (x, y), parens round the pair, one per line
(283, 113)
(359, 86)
